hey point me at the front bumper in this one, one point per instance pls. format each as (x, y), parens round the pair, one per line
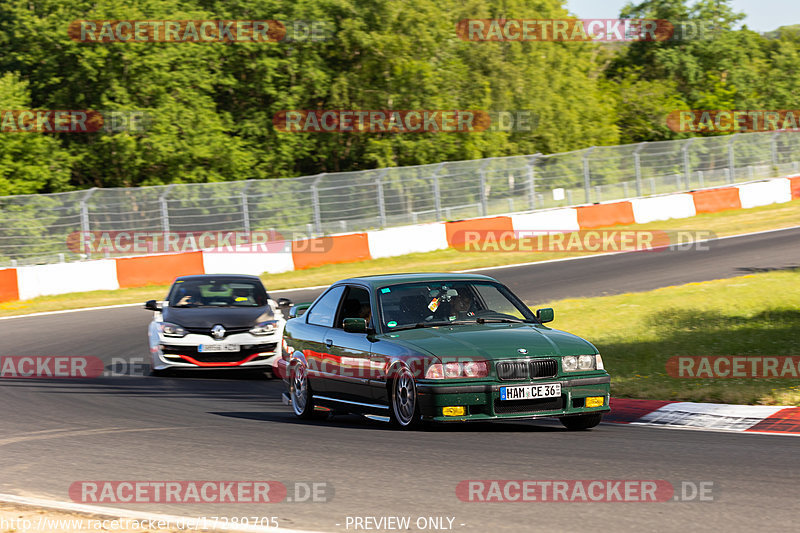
(482, 401)
(255, 352)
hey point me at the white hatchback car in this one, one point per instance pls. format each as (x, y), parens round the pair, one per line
(216, 322)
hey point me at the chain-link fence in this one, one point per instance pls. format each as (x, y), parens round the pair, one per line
(35, 228)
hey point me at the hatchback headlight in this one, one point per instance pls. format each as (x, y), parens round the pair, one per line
(265, 328)
(579, 363)
(171, 330)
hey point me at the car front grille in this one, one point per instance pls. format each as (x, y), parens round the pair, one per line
(507, 370)
(520, 370)
(543, 368)
(508, 407)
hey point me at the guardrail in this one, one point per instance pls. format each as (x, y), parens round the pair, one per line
(35, 227)
(26, 282)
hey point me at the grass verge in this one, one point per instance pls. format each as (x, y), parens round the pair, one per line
(722, 224)
(753, 315)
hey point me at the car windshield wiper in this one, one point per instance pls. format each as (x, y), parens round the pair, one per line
(481, 320)
(421, 325)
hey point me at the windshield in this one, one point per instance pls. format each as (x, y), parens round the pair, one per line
(449, 302)
(217, 293)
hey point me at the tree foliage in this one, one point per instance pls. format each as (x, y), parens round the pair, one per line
(210, 106)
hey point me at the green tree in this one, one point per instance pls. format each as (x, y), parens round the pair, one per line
(29, 162)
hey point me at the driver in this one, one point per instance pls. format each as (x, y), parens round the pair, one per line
(188, 297)
(365, 312)
(460, 306)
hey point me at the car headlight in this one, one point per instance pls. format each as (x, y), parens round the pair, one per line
(577, 363)
(469, 369)
(169, 329)
(265, 328)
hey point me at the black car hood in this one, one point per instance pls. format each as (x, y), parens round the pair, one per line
(207, 317)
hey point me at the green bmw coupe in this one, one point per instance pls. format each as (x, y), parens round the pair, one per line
(412, 348)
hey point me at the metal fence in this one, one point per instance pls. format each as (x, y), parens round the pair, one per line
(35, 228)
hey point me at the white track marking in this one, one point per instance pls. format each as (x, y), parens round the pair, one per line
(65, 311)
(57, 434)
(704, 429)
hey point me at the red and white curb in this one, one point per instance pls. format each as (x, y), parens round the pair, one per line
(712, 416)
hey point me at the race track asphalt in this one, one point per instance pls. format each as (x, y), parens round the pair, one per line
(135, 427)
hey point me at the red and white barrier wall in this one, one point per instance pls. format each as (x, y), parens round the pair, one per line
(60, 278)
(28, 282)
(407, 240)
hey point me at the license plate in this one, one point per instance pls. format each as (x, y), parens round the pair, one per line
(225, 347)
(531, 392)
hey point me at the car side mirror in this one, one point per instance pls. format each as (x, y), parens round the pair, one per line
(355, 325)
(298, 310)
(152, 305)
(284, 302)
(545, 315)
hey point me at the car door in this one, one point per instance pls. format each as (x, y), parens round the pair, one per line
(319, 321)
(350, 352)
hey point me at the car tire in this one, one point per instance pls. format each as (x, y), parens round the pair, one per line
(581, 422)
(404, 406)
(300, 392)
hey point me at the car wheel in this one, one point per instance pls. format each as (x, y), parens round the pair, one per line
(302, 398)
(404, 411)
(580, 422)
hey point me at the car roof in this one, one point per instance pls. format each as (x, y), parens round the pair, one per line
(200, 277)
(383, 280)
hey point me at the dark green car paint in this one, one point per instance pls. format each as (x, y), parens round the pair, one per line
(380, 351)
